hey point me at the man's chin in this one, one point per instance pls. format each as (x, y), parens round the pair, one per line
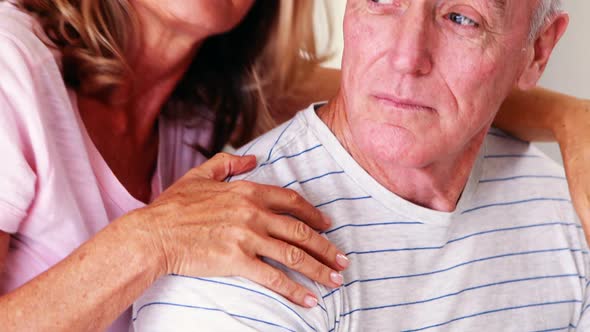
(395, 144)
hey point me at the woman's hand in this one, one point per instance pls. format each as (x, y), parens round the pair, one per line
(206, 227)
(574, 140)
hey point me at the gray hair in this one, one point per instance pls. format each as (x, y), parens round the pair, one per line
(545, 10)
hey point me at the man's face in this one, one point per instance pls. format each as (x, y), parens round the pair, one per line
(423, 78)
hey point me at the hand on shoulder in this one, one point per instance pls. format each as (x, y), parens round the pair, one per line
(205, 227)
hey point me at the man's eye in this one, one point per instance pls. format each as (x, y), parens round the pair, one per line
(462, 20)
(384, 2)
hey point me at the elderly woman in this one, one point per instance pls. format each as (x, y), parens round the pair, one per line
(106, 107)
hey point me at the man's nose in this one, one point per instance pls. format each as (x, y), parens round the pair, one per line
(410, 52)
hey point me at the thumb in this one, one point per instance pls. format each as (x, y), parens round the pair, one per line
(223, 165)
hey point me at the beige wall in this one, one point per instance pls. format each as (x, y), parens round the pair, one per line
(568, 71)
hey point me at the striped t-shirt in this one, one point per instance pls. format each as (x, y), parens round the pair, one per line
(511, 257)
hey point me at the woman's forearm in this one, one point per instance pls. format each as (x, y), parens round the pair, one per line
(187, 230)
(537, 115)
(90, 288)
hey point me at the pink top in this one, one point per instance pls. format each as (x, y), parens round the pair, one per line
(56, 191)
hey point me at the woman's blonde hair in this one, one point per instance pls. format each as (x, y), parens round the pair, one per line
(232, 82)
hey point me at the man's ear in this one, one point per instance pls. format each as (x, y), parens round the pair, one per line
(542, 48)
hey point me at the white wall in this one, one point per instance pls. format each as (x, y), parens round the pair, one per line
(568, 70)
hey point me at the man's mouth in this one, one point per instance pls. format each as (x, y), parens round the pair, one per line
(407, 104)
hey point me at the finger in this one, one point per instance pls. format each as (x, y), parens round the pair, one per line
(285, 201)
(277, 281)
(223, 165)
(298, 260)
(299, 234)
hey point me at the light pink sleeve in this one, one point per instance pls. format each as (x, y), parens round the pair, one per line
(17, 178)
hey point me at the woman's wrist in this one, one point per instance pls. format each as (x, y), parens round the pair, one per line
(573, 125)
(142, 237)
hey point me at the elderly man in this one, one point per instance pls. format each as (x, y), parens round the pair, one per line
(447, 225)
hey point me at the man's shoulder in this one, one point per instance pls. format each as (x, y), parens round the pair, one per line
(178, 302)
(280, 138)
(517, 174)
(505, 154)
(288, 146)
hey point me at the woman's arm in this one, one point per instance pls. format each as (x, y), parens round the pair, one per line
(322, 84)
(200, 226)
(88, 289)
(541, 115)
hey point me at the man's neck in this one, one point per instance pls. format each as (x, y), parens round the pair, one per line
(437, 186)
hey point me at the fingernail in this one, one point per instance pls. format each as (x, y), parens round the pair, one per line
(342, 261)
(327, 220)
(310, 301)
(336, 278)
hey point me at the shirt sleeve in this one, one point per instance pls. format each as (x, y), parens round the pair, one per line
(17, 178)
(178, 303)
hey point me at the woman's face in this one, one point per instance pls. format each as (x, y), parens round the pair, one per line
(202, 17)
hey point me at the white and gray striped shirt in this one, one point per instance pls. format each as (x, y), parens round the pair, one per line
(512, 257)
